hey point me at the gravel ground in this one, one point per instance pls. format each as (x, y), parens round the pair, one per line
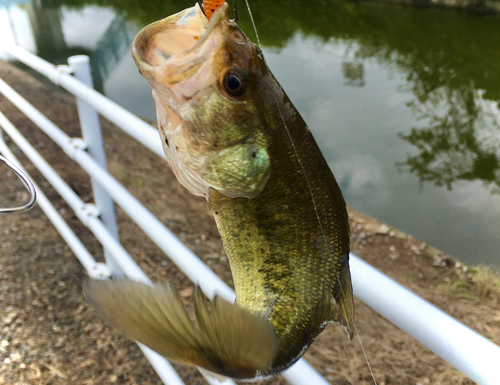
(49, 334)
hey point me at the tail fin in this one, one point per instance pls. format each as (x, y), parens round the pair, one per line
(228, 340)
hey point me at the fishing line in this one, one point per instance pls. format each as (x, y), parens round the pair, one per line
(253, 23)
(298, 160)
(310, 191)
(322, 231)
(364, 353)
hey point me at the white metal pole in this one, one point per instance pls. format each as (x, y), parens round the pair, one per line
(163, 368)
(124, 119)
(95, 270)
(462, 347)
(68, 235)
(427, 323)
(184, 258)
(92, 136)
(87, 213)
(187, 261)
(180, 254)
(302, 373)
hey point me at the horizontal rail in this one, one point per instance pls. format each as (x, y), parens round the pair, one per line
(468, 351)
(184, 258)
(187, 261)
(162, 367)
(62, 227)
(128, 122)
(85, 212)
(95, 270)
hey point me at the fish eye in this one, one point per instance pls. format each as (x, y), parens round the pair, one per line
(235, 82)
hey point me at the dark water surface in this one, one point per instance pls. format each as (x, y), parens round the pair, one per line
(404, 102)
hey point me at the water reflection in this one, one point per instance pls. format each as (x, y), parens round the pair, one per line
(47, 30)
(462, 141)
(354, 74)
(446, 64)
(111, 48)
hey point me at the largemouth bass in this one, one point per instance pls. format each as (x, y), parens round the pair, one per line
(231, 134)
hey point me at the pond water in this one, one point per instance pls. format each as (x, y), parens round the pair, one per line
(404, 102)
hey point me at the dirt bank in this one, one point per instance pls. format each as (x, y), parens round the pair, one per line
(49, 335)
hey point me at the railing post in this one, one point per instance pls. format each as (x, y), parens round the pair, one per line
(92, 136)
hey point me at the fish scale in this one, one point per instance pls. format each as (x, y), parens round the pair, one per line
(231, 134)
(316, 261)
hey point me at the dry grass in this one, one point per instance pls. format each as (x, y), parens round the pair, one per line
(487, 283)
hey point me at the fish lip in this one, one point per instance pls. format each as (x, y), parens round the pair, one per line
(140, 43)
(218, 17)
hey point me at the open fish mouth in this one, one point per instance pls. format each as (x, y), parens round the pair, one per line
(176, 56)
(180, 33)
(173, 50)
(186, 59)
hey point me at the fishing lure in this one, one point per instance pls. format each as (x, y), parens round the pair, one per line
(210, 6)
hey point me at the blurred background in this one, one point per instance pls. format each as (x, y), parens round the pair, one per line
(403, 101)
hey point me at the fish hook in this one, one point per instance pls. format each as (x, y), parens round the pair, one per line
(200, 3)
(236, 12)
(202, 7)
(27, 182)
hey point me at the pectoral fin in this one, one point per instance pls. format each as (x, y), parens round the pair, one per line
(228, 340)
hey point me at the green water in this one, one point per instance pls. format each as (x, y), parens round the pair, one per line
(403, 101)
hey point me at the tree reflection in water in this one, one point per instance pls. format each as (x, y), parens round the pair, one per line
(354, 73)
(447, 59)
(462, 141)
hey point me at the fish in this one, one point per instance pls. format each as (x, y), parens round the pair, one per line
(231, 134)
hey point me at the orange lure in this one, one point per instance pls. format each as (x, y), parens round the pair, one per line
(210, 6)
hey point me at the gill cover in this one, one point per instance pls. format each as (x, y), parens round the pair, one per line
(210, 129)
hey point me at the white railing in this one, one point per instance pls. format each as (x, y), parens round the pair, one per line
(465, 349)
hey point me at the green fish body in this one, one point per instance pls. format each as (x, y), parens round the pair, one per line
(231, 134)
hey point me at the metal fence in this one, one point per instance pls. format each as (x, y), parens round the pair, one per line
(465, 349)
